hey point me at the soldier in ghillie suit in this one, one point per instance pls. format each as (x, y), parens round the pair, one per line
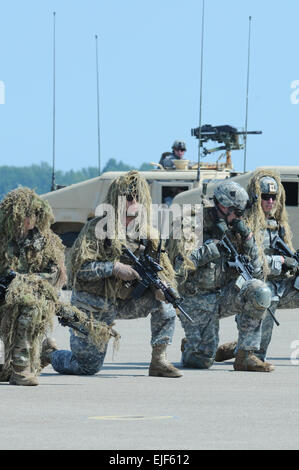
(101, 275)
(213, 290)
(30, 249)
(268, 220)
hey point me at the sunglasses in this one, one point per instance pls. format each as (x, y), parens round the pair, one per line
(130, 197)
(237, 212)
(267, 197)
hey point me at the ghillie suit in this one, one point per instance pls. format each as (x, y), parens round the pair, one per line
(256, 218)
(88, 247)
(32, 304)
(41, 251)
(98, 287)
(31, 301)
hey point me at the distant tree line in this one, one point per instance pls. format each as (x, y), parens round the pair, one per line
(39, 177)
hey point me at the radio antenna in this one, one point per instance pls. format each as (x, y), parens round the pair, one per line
(53, 185)
(98, 106)
(247, 91)
(200, 98)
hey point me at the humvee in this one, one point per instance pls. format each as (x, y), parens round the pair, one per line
(289, 177)
(74, 205)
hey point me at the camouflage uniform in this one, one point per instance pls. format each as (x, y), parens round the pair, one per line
(84, 358)
(33, 242)
(282, 285)
(211, 294)
(36, 251)
(167, 161)
(100, 290)
(28, 315)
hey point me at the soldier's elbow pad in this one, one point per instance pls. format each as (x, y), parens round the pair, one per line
(212, 251)
(275, 264)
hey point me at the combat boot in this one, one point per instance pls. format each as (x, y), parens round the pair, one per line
(225, 352)
(160, 366)
(246, 360)
(49, 345)
(22, 376)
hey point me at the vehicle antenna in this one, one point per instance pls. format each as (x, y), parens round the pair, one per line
(98, 105)
(247, 90)
(200, 99)
(53, 185)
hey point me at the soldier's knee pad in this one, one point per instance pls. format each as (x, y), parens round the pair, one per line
(258, 297)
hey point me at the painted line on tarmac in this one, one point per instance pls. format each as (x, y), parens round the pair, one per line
(131, 418)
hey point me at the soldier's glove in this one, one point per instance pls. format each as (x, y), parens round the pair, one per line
(125, 272)
(290, 264)
(221, 227)
(239, 226)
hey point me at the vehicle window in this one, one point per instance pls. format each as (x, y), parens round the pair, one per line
(291, 190)
(169, 192)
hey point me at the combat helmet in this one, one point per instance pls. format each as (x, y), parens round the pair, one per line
(268, 185)
(179, 145)
(231, 194)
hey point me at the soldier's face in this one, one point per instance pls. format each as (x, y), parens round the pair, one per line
(132, 207)
(268, 203)
(29, 223)
(179, 153)
(230, 215)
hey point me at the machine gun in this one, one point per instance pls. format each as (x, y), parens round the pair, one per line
(282, 248)
(147, 268)
(241, 264)
(227, 135)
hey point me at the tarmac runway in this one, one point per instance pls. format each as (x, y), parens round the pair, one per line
(123, 408)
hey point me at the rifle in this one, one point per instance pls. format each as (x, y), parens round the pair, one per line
(241, 264)
(147, 268)
(98, 332)
(282, 248)
(67, 315)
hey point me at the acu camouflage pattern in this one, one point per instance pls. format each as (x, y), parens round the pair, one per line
(167, 160)
(231, 194)
(84, 358)
(268, 185)
(211, 294)
(281, 284)
(211, 272)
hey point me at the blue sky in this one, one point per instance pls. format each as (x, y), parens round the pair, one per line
(149, 54)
